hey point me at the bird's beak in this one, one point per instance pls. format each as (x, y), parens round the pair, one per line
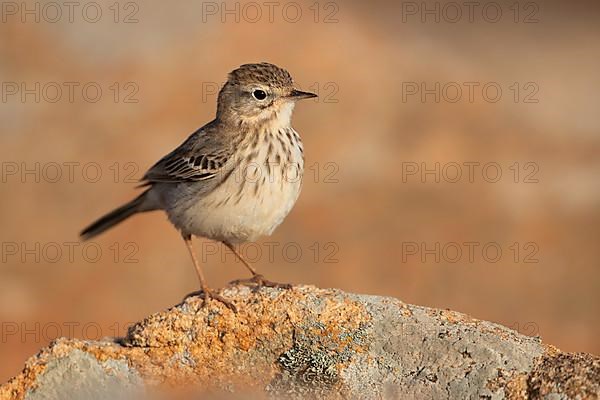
(299, 95)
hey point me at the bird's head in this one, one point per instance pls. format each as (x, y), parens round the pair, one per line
(258, 94)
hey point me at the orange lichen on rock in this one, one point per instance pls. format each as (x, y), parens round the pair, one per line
(304, 343)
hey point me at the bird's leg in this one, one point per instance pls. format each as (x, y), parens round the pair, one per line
(205, 292)
(257, 279)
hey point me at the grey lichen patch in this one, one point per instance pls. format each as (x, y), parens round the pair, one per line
(311, 368)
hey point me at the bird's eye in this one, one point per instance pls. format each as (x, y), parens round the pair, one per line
(259, 94)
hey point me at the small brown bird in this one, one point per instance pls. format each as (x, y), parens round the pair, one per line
(236, 178)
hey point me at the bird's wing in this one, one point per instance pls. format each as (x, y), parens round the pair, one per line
(200, 158)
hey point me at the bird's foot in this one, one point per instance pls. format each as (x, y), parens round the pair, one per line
(258, 281)
(207, 294)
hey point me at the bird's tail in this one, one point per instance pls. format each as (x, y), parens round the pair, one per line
(116, 216)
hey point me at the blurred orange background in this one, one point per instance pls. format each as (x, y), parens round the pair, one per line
(411, 93)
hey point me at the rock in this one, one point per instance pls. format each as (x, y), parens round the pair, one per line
(307, 343)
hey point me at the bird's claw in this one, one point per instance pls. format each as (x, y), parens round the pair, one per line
(206, 295)
(258, 281)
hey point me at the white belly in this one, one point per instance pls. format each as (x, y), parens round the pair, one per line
(234, 214)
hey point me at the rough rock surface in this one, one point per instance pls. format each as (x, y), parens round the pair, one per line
(307, 343)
